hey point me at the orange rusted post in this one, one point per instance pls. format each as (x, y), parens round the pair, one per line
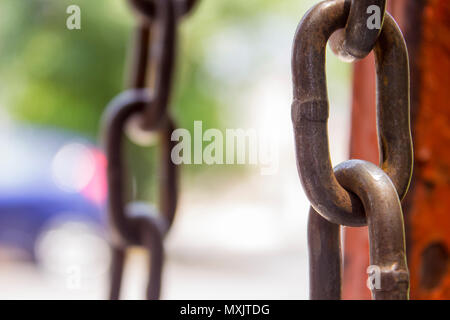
(426, 26)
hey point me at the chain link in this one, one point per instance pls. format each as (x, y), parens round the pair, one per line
(356, 193)
(310, 112)
(386, 233)
(155, 48)
(356, 40)
(137, 223)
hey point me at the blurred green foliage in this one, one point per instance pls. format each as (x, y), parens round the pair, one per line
(53, 76)
(56, 76)
(64, 78)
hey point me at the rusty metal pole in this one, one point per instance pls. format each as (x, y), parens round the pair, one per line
(426, 27)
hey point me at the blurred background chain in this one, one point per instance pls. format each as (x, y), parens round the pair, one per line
(137, 223)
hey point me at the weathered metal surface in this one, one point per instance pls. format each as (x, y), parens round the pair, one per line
(310, 112)
(426, 26)
(358, 192)
(385, 223)
(356, 41)
(428, 221)
(325, 270)
(387, 236)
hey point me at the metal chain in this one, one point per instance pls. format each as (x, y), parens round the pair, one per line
(386, 234)
(356, 193)
(356, 40)
(136, 223)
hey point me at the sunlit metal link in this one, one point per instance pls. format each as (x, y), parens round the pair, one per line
(389, 279)
(310, 112)
(364, 25)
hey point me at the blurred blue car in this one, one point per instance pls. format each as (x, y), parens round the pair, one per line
(48, 178)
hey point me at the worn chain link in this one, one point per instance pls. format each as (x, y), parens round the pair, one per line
(356, 193)
(386, 234)
(356, 40)
(153, 57)
(310, 112)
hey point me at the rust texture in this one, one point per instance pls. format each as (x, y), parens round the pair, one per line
(429, 219)
(426, 26)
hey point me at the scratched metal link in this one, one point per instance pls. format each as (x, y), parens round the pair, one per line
(356, 40)
(386, 236)
(310, 110)
(356, 193)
